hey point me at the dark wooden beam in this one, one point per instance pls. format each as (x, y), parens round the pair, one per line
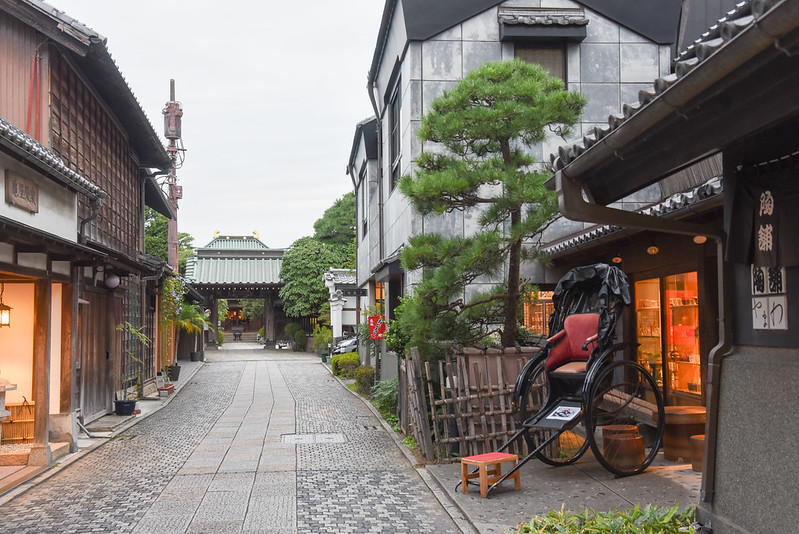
(40, 450)
(65, 404)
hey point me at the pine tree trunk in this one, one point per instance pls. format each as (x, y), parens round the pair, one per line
(512, 304)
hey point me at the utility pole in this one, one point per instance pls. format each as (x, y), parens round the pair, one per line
(172, 131)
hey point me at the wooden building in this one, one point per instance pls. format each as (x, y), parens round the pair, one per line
(89, 151)
(732, 104)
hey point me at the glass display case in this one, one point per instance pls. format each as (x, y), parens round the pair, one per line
(667, 322)
(682, 337)
(647, 312)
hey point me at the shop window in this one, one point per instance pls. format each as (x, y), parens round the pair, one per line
(537, 309)
(667, 316)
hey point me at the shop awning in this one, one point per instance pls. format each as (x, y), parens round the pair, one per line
(34, 240)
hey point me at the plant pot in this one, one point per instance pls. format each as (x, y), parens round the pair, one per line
(124, 407)
(174, 372)
(195, 356)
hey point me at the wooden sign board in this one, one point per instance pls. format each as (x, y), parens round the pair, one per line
(21, 192)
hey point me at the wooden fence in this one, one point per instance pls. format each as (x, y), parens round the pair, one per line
(461, 406)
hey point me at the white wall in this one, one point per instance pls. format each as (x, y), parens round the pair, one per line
(58, 207)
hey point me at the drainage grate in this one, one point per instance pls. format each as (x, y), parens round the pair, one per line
(313, 438)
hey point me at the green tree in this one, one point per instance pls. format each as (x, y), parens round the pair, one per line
(156, 237)
(304, 291)
(252, 308)
(337, 225)
(487, 123)
(221, 310)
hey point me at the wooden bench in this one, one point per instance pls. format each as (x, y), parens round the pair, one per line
(489, 470)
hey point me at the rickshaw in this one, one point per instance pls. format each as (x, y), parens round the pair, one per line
(579, 392)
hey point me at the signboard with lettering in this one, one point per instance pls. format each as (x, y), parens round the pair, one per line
(769, 298)
(377, 326)
(21, 192)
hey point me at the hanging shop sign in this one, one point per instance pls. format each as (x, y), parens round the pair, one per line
(21, 193)
(377, 326)
(769, 298)
(764, 219)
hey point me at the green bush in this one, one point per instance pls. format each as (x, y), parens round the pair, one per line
(220, 337)
(300, 339)
(344, 365)
(364, 379)
(291, 329)
(634, 521)
(385, 395)
(321, 337)
(261, 332)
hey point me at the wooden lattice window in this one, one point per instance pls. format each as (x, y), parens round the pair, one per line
(86, 135)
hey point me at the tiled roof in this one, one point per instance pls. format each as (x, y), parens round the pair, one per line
(14, 138)
(542, 16)
(710, 189)
(225, 270)
(743, 16)
(95, 59)
(340, 276)
(236, 242)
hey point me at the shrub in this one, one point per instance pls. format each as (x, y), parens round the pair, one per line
(364, 379)
(647, 519)
(385, 395)
(261, 332)
(220, 337)
(291, 329)
(344, 365)
(321, 337)
(300, 340)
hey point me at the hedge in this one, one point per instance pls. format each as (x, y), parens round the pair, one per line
(344, 365)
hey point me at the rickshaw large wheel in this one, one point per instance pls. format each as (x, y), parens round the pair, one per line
(621, 431)
(569, 446)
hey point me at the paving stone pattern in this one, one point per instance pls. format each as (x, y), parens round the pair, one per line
(362, 485)
(111, 489)
(254, 443)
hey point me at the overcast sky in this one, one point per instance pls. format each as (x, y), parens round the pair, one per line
(271, 94)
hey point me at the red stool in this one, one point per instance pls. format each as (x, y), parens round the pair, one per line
(489, 470)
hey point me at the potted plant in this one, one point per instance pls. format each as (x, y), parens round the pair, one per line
(125, 401)
(172, 290)
(192, 321)
(165, 387)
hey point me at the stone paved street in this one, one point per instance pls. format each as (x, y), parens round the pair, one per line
(257, 441)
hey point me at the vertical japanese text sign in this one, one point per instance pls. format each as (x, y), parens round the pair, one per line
(377, 326)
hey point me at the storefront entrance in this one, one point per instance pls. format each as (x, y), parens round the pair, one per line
(667, 327)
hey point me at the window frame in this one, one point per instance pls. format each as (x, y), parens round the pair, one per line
(546, 46)
(394, 134)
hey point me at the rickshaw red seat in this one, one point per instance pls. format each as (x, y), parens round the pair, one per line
(578, 328)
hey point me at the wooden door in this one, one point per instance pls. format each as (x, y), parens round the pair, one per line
(96, 389)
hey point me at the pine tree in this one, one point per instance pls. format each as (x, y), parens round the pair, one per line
(486, 124)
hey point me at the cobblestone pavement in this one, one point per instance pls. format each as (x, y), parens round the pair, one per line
(257, 441)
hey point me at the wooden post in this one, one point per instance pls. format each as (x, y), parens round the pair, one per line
(40, 449)
(433, 410)
(67, 354)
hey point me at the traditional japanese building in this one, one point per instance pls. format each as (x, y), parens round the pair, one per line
(72, 223)
(712, 266)
(237, 267)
